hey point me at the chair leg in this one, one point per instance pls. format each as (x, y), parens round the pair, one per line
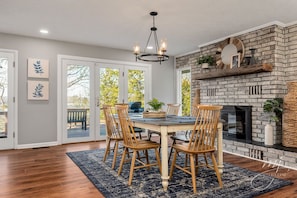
(193, 173)
(147, 158)
(122, 160)
(149, 135)
(215, 166)
(107, 149)
(158, 160)
(205, 159)
(160, 144)
(173, 164)
(132, 167)
(140, 136)
(115, 153)
(171, 150)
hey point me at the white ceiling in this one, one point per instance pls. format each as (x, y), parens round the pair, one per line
(185, 24)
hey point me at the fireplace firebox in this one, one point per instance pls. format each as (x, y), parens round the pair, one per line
(237, 122)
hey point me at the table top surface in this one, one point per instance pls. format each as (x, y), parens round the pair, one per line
(168, 120)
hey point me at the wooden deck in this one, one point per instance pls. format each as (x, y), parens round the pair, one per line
(49, 172)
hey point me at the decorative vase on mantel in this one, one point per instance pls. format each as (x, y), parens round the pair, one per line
(268, 141)
(290, 116)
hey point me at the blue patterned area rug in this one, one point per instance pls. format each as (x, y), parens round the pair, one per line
(237, 182)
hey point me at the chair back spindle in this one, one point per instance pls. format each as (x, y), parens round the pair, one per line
(112, 127)
(173, 109)
(126, 126)
(205, 130)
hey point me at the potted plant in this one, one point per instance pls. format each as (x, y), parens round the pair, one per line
(274, 109)
(155, 110)
(205, 61)
(155, 104)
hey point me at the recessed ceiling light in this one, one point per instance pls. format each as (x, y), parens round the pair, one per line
(43, 31)
(150, 47)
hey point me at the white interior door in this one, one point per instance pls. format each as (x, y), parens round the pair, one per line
(6, 100)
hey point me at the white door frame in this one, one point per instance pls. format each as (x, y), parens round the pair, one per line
(60, 99)
(12, 141)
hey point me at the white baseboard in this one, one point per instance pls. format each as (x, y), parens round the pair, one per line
(36, 145)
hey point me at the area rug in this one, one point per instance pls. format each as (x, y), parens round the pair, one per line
(238, 182)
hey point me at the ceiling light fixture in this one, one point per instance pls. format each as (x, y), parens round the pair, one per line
(159, 55)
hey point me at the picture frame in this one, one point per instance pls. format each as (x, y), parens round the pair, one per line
(38, 68)
(235, 61)
(38, 90)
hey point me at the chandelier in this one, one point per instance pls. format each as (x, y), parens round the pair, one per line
(159, 54)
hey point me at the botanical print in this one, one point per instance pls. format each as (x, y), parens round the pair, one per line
(37, 90)
(38, 68)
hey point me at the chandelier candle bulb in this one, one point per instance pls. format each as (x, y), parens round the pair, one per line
(136, 49)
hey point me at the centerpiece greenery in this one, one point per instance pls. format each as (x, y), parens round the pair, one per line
(155, 104)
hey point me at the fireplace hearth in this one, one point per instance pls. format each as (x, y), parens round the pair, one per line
(237, 122)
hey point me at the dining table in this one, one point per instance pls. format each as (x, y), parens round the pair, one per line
(168, 125)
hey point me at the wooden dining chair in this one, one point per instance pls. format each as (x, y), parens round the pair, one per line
(137, 130)
(183, 136)
(202, 141)
(113, 133)
(172, 109)
(131, 143)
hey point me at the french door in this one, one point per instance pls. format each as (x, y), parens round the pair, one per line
(120, 84)
(7, 113)
(90, 83)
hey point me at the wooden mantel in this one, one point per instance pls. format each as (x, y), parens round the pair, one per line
(248, 69)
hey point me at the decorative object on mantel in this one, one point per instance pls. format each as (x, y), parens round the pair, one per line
(250, 69)
(156, 109)
(159, 54)
(235, 61)
(205, 61)
(253, 59)
(289, 138)
(274, 109)
(226, 49)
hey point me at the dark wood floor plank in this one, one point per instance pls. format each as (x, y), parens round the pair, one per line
(50, 173)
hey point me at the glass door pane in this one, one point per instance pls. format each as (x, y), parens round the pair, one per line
(109, 89)
(6, 100)
(3, 96)
(136, 87)
(78, 102)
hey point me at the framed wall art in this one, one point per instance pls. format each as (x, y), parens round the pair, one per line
(235, 61)
(38, 68)
(38, 90)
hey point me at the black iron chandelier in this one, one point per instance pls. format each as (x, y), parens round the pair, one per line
(159, 54)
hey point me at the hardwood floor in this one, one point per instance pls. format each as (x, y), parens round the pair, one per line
(48, 172)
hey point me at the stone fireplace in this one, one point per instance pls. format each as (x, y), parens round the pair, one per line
(275, 45)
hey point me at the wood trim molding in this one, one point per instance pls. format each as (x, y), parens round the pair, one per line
(248, 69)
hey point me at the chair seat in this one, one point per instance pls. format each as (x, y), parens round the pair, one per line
(185, 148)
(143, 145)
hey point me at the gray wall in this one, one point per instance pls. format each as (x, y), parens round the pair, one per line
(37, 120)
